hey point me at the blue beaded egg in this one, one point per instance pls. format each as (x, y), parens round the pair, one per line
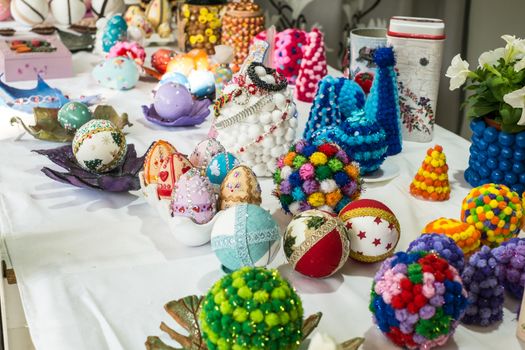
(219, 166)
(115, 30)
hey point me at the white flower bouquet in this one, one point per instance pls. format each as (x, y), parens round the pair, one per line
(498, 84)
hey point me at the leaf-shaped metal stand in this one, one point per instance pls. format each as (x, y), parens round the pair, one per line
(185, 312)
(352, 344)
(48, 128)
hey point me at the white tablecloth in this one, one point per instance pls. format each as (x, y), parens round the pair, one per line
(94, 269)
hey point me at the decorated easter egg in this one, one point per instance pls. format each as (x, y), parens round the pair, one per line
(67, 11)
(73, 115)
(316, 244)
(173, 77)
(161, 58)
(105, 8)
(204, 152)
(118, 73)
(5, 11)
(193, 197)
(29, 12)
(172, 101)
(245, 235)
(156, 155)
(372, 228)
(158, 12)
(202, 83)
(171, 169)
(220, 166)
(239, 186)
(223, 75)
(114, 31)
(99, 146)
(181, 63)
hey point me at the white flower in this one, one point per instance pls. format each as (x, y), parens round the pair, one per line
(519, 65)
(457, 72)
(514, 46)
(517, 100)
(322, 341)
(214, 168)
(491, 57)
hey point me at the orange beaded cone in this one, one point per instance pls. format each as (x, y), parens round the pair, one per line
(431, 180)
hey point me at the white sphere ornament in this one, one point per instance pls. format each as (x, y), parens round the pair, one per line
(29, 12)
(99, 146)
(67, 11)
(105, 8)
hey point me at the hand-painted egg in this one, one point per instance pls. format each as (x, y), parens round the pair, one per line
(171, 169)
(161, 58)
(193, 197)
(223, 75)
(172, 77)
(115, 30)
(220, 165)
(99, 146)
(29, 12)
(204, 152)
(316, 244)
(73, 115)
(245, 235)
(180, 63)
(239, 186)
(106, 8)
(119, 73)
(373, 229)
(156, 155)
(172, 101)
(67, 11)
(202, 83)
(5, 11)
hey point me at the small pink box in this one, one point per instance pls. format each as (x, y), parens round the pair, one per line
(18, 66)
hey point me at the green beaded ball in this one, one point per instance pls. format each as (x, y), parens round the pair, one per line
(252, 309)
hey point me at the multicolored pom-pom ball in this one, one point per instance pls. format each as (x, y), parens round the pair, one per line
(417, 299)
(441, 244)
(316, 243)
(485, 291)
(252, 308)
(316, 177)
(466, 236)
(495, 210)
(511, 265)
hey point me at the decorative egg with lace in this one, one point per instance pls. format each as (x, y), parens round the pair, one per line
(157, 154)
(255, 118)
(193, 197)
(171, 169)
(204, 152)
(239, 186)
(220, 165)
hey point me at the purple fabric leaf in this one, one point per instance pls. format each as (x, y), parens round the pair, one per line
(198, 115)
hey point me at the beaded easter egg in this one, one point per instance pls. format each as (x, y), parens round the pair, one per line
(29, 12)
(73, 115)
(316, 177)
(99, 146)
(239, 186)
(417, 300)
(373, 230)
(316, 243)
(442, 245)
(171, 169)
(5, 11)
(67, 11)
(495, 210)
(115, 30)
(193, 197)
(104, 8)
(118, 73)
(510, 270)
(245, 235)
(220, 165)
(253, 308)
(172, 101)
(204, 152)
(466, 236)
(156, 155)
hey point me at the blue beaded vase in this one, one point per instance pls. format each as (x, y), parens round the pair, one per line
(496, 156)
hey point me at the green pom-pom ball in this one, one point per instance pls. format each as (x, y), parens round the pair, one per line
(252, 308)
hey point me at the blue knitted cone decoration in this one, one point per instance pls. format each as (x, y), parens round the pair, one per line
(335, 100)
(360, 137)
(382, 102)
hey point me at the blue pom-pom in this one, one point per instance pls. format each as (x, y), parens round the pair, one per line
(384, 57)
(295, 179)
(341, 178)
(308, 150)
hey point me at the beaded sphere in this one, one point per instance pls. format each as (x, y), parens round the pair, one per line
(466, 236)
(252, 308)
(316, 243)
(417, 299)
(320, 177)
(486, 294)
(495, 210)
(441, 244)
(511, 265)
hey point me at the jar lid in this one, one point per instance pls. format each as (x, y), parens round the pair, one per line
(417, 28)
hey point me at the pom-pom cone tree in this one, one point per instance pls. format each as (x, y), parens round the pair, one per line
(431, 180)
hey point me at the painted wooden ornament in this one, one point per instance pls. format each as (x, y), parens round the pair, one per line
(316, 244)
(29, 12)
(204, 152)
(171, 170)
(245, 235)
(239, 186)
(67, 11)
(73, 115)
(373, 230)
(157, 154)
(99, 146)
(105, 8)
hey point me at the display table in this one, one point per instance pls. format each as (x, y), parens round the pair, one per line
(94, 269)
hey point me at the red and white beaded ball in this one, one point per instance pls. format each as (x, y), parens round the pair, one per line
(316, 244)
(372, 228)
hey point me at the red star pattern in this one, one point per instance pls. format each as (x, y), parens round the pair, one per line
(377, 241)
(361, 234)
(378, 220)
(349, 225)
(391, 226)
(388, 246)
